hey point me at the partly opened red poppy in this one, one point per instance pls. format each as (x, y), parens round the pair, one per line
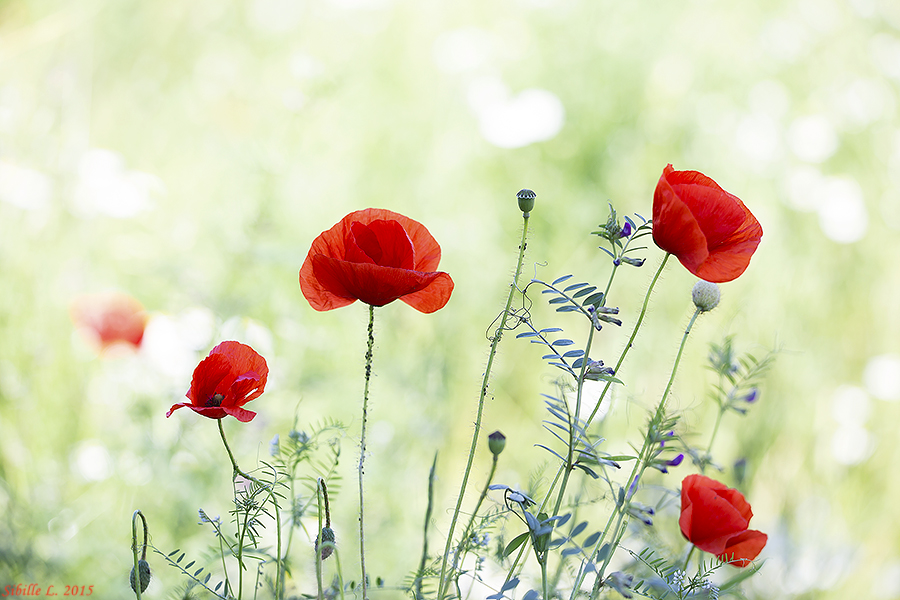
(232, 375)
(709, 230)
(376, 256)
(110, 318)
(715, 518)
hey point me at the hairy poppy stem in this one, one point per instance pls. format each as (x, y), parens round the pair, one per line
(134, 549)
(362, 449)
(643, 461)
(320, 490)
(495, 342)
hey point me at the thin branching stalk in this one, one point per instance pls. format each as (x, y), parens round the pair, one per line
(570, 464)
(641, 464)
(362, 450)
(279, 564)
(495, 342)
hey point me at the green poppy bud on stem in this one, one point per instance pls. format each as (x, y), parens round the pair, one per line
(496, 443)
(144, 569)
(526, 200)
(327, 539)
(706, 295)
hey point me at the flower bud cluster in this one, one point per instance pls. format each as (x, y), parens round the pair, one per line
(601, 314)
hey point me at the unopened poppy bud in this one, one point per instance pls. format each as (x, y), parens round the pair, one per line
(327, 539)
(526, 200)
(496, 443)
(706, 295)
(144, 570)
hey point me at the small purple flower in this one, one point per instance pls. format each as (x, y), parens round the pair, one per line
(752, 396)
(626, 230)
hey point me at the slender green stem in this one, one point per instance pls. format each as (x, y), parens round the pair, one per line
(715, 431)
(319, 539)
(645, 455)
(420, 576)
(544, 583)
(687, 559)
(712, 438)
(362, 450)
(634, 333)
(495, 342)
(468, 529)
(279, 562)
(524, 547)
(134, 549)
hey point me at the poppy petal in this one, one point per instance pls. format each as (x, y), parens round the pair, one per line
(743, 548)
(207, 377)
(709, 230)
(372, 284)
(376, 256)
(242, 415)
(675, 229)
(232, 375)
(433, 297)
(383, 243)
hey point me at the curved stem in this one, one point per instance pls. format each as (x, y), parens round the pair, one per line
(236, 470)
(362, 450)
(319, 490)
(134, 549)
(495, 342)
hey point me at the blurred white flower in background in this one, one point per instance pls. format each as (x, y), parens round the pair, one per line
(882, 377)
(105, 187)
(24, 188)
(838, 202)
(463, 50)
(507, 121)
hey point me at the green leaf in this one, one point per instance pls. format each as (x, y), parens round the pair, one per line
(513, 545)
(593, 299)
(575, 286)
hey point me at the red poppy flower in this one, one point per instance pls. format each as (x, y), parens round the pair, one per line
(110, 318)
(715, 517)
(709, 230)
(376, 256)
(232, 375)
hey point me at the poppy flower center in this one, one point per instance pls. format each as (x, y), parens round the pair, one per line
(215, 400)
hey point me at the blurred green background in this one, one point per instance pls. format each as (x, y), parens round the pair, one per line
(187, 153)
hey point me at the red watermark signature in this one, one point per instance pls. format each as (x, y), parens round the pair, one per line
(33, 589)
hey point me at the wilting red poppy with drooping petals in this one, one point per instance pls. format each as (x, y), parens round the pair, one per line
(715, 517)
(232, 375)
(376, 256)
(709, 230)
(110, 318)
